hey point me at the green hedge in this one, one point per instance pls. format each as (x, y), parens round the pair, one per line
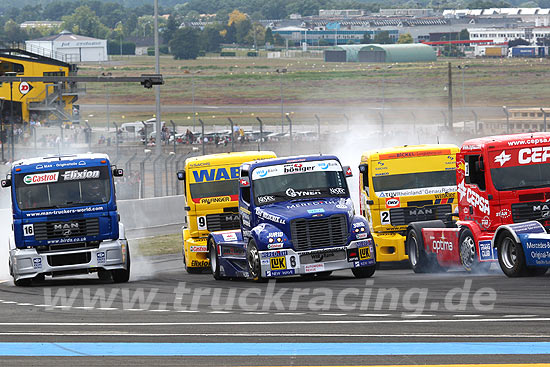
(228, 53)
(252, 53)
(128, 48)
(163, 49)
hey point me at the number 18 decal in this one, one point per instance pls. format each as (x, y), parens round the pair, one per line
(385, 217)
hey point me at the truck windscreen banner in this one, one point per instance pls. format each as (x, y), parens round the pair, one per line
(63, 188)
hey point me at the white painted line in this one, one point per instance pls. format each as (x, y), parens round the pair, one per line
(188, 311)
(293, 322)
(332, 314)
(289, 313)
(63, 306)
(84, 307)
(220, 312)
(107, 308)
(134, 309)
(466, 316)
(25, 304)
(417, 315)
(282, 335)
(43, 305)
(375, 315)
(8, 302)
(160, 310)
(255, 313)
(520, 316)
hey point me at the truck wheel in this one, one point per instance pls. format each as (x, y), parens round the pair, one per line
(191, 270)
(510, 257)
(253, 258)
(214, 261)
(122, 275)
(417, 255)
(364, 272)
(469, 256)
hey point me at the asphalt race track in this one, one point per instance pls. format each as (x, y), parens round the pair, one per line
(165, 316)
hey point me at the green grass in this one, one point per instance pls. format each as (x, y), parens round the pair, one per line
(160, 245)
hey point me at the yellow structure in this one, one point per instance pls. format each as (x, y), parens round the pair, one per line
(405, 184)
(212, 196)
(49, 102)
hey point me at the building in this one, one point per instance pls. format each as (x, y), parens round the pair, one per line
(41, 24)
(406, 12)
(70, 47)
(381, 53)
(330, 34)
(340, 13)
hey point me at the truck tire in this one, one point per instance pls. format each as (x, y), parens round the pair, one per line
(536, 271)
(191, 270)
(214, 261)
(418, 259)
(122, 275)
(253, 260)
(364, 272)
(469, 256)
(510, 257)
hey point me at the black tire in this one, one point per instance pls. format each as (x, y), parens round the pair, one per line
(364, 272)
(536, 271)
(510, 256)
(214, 261)
(254, 262)
(122, 275)
(418, 259)
(469, 254)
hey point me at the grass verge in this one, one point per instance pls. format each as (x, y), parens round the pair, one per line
(159, 245)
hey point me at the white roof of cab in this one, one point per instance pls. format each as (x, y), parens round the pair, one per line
(65, 157)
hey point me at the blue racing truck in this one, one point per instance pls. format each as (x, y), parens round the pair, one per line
(296, 218)
(65, 219)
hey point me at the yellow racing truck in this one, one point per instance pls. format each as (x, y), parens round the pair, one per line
(211, 184)
(405, 184)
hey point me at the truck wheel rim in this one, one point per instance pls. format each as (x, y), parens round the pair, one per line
(412, 251)
(213, 259)
(467, 252)
(509, 253)
(253, 261)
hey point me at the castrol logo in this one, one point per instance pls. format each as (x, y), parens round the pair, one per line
(41, 178)
(393, 203)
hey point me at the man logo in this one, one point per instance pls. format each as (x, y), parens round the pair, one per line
(65, 229)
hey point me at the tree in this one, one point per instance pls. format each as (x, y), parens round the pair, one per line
(269, 36)
(185, 44)
(242, 28)
(383, 38)
(14, 33)
(85, 22)
(279, 41)
(236, 17)
(464, 35)
(171, 27)
(257, 34)
(405, 38)
(211, 37)
(366, 38)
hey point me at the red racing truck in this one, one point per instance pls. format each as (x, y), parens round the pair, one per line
(503, 210)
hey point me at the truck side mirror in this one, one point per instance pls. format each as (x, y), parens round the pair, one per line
(347, 171)
(370, 202)
(6, 183)
(181, 175)
(118, 172)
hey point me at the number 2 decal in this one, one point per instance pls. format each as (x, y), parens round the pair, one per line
(385, 217)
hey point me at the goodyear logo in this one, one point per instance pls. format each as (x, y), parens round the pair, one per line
(220, 199)
(364, 253)
(278, 263)
(216, 174)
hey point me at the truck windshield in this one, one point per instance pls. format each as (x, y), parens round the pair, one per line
(214, 189)
(299, 181)
(418, 180)
(63, 188)
(521, 177)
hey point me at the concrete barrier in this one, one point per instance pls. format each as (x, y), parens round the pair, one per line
(154, 212)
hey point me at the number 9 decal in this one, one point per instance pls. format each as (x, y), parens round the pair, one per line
(201, 223)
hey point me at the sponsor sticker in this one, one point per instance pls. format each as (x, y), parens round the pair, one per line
(278, 263)
(364, 253)
(198, 249)
(231, 236)
(101, 258)
(312, 268)
(486, 253)
(37, 263)
(80, 175)
(277, 273)
(361, 235)
(393, 203)
(269, 254)
(39, 178)
(315, 211)
(275, 245)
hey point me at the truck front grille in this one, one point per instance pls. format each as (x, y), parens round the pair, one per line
(535, 210)
(404, 216)
(222, 221)
(72, 228)
(69, 259)
(319, 232)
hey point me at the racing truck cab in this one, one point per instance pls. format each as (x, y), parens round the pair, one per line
(65, 219)
(296, 218)
(503, 186)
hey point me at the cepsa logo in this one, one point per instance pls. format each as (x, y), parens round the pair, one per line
(393, 203)
(534, 155)
(41, 178)
(473, 198)
(216, 174)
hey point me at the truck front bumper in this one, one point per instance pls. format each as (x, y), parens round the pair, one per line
(28, 263)
(196, 253)
(390, 247)
(289, 262)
